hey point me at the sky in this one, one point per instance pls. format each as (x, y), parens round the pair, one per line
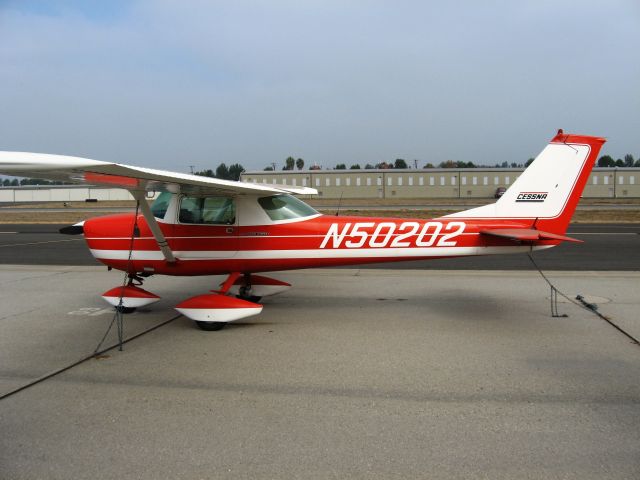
(172, 84)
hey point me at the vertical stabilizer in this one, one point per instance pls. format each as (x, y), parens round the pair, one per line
(548, 191)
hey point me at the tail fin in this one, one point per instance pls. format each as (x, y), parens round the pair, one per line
(548, 191)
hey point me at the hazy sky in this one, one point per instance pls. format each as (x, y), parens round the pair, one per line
(169, 84)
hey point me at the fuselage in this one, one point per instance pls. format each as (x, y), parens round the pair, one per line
(256, 237)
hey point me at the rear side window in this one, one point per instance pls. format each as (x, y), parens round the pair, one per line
(207, 210)
(285, 207)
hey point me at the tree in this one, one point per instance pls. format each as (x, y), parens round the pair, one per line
(37, 181)
(235, 171)
(637, 164)
(619, 163)
(355, 166)
(205, 173)
(268, 169)
(400, 163)
(299, 164)
(606, 161)
(528, 162)
(505, 165)
(628, 160)
(368, 166)
(341, 166)
(289, 163)
(448, 164)
(429, 165)
(222, 171)
(31, 181)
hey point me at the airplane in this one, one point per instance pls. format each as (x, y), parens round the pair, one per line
(207, 226)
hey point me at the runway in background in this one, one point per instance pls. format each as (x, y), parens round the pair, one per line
(606, 247)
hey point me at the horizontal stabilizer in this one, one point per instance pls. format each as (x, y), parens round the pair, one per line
(526, 235)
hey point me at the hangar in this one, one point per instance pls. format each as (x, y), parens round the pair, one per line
(436, 182)
(385, 184)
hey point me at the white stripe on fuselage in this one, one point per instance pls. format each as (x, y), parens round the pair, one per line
(227, 237)
(363, 253)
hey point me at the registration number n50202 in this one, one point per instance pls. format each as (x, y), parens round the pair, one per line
(393, 235)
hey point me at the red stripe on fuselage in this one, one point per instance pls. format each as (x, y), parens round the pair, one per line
(376, 234)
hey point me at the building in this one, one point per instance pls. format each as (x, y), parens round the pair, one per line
(406, 183)
(436, 182)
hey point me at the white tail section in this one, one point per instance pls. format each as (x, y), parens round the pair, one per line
(550, 186)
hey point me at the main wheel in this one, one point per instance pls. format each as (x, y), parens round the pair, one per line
(211, 326)
(250, 298)
(245, 294)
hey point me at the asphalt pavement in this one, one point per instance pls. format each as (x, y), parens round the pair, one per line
(351, 374)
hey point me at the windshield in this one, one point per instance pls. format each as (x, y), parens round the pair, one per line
(160, 205)
(285, 207)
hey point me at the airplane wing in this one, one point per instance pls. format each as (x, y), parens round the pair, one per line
(137, 180)
(526, 235)
(94, 172)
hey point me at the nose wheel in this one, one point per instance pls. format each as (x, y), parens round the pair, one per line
(127, 298)
(125, 310)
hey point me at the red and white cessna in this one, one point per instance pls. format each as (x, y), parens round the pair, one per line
(206, 226)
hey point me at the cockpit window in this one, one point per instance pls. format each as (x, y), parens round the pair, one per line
(160, 205)
(285, 207)
(207, 210)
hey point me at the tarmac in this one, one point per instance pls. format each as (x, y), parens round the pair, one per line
(350, 374)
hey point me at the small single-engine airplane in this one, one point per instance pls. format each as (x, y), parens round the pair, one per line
(206, 226)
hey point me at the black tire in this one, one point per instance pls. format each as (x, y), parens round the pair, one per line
(251, 298)
(211, 326)
(125, 310)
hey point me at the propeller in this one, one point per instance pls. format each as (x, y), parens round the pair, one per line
(75, 229)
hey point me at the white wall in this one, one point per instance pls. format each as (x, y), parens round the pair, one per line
(61, 194)
(7, 195)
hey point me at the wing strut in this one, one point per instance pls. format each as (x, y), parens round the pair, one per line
(153, 226)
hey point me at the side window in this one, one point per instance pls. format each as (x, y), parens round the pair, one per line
(207, 210)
